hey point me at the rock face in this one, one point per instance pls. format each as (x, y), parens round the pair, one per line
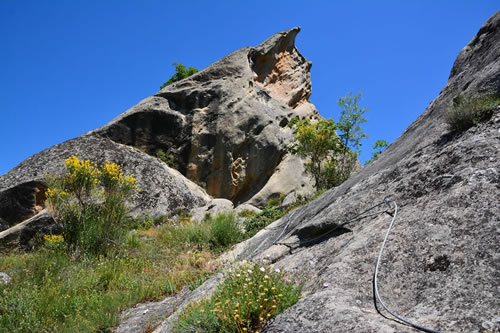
(23, 234)
(441, 263)
(226, 125)
(162, 189)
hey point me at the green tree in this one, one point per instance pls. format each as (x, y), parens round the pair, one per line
(350, 131)
(320, 144)
(180, 73)
(379, 147)
(351, 117)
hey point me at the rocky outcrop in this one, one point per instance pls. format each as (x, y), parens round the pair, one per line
(213, 208)
(441, 263)
(162, 189)
(24, 234)
(226, 125)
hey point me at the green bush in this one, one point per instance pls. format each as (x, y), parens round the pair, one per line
(379, 146)
(248, 298)
(180, 73)
(166, 158)
(90, 204)
(261, 220)
(215, 233)
(466, 113)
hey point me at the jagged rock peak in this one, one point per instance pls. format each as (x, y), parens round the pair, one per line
(226, 125)
(280, 68)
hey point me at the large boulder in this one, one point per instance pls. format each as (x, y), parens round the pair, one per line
(440, 265)
(226, 126)
(162, 189)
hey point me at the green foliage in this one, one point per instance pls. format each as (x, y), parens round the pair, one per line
(350, 133)
(276, 201)
(466, 113)
(331, 157)
(261, 220)
(320, 144)
(180, 73)
(90, 204)
(351, 116)
(246, 213)
(379, 147)
(166, 158)
(268, 215)
(52, 292)
(216, 233)
(246, 301)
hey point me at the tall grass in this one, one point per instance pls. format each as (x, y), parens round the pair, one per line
(466, 113)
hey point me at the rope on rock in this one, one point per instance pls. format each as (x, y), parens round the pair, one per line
(375, 280)
(375, 277)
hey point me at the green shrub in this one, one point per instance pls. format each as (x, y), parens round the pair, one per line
(167, 158)
(247, 213)
(224, 231)
(261, 220)
(379, 146)
(466, 113)
(276, 200)
(90, 204)
(248, 298)
(180, 73)
(215, 233)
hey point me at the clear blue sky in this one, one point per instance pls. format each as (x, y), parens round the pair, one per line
(68, 67)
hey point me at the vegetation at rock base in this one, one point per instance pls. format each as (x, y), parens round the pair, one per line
(255, 222)
(180, 73)
(379, 146)
(248, 298)
(53, 292)
(319, 143)
(466, 113)
(167, 158)
(78, 282)
(89, 202)
(331, 157)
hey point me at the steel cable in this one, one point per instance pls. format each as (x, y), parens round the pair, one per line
(375, 280)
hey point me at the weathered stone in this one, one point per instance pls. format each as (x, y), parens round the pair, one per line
(290, 199)
(213, 208)
(441, 263)
(289, 176)
(226, 125)
(163, 189)
(23, 234)
(246, 207)
(146, 316)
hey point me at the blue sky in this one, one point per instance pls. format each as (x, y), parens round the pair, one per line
(68, 67)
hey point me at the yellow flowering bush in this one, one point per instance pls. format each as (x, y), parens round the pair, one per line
(90, 204)
(249, 297)
(54, 242)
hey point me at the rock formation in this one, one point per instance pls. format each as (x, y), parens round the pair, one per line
(226, 125)
(440, 266)
(162, 189)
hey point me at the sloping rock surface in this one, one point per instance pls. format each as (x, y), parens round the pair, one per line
(162, 189)
(23, 234)
(226, 126)
(441, 263)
